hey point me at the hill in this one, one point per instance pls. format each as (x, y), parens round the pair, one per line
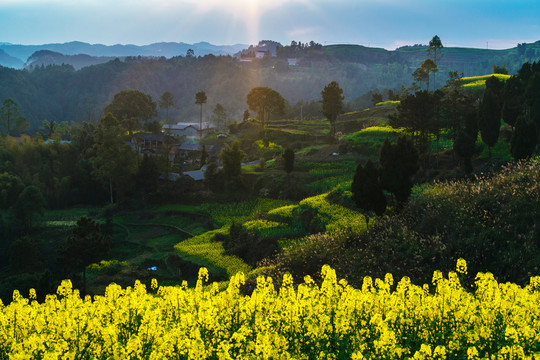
(166, 49)
(10, 61)
(63, 93)
(47, 57)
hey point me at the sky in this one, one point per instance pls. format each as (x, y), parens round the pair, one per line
(386, 24)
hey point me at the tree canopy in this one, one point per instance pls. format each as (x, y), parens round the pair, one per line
(232, 156)
(264, 101)
(200, 99)
(367, 191)
(423, 72)
(166, 101)
(489, 121)
(114, 161)
(332, 103)
(398, 163)
(84, 246)
(219, 116)
(10, 117)
(131, 107)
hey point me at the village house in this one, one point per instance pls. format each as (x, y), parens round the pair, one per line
(188, 130)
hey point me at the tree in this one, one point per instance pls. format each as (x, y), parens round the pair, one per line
(524, 139)
(10, 187)
(422, 73)
(500, 69)
(332, 104)
(376, 97)
(231, 157)
(10, 118)
(24, 255)
(131, 107)
(435, 45)
(417, 112)
(213, 177)
(200, 99)
(489, 121)
(288, 160)
(398, 162)
(464, 147)
(219, 116)
(497, 86)
(190, 54)
(30, 203)
(166, 101)
(147, 176)
(49, 127)
(204, 155)
(114, 161)
(532, 97)
(367, 192)
(513, 105)
(153, 127)
(85, 245)
(459, 110)
(245, 117)
(265, 101)
(83, 136)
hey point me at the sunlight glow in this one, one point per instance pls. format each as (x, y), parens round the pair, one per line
(249, 13)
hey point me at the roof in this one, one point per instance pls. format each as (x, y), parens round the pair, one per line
(151, 137)
(183, 126)
(195, 147)
(196, 175)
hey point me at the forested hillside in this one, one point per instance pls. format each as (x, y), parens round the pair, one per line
(61, 93)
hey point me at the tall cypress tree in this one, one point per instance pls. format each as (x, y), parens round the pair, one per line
(489, 121)
(513, 105)
(398, 162)
(524, 139)
(367, 191)
(288, 160)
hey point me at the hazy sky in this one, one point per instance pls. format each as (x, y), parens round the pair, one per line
(377, 23)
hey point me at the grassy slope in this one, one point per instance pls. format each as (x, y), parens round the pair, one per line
(154, 238)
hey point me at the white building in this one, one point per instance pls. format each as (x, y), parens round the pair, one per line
(188, 130)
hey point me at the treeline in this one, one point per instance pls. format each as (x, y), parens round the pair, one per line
(465, 114)
(98, 167)
(60, 93)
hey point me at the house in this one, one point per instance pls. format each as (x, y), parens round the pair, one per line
(152, 142)
(188, 130)
(291, 61)
(261, 53)
(197, 175)
(192, 151)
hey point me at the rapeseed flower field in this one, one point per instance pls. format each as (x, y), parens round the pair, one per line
(381, 320)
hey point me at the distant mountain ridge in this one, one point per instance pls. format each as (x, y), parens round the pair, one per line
(166, 49)
(10, 61)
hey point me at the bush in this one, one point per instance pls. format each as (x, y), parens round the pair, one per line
(249, 245)
(491, 221)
